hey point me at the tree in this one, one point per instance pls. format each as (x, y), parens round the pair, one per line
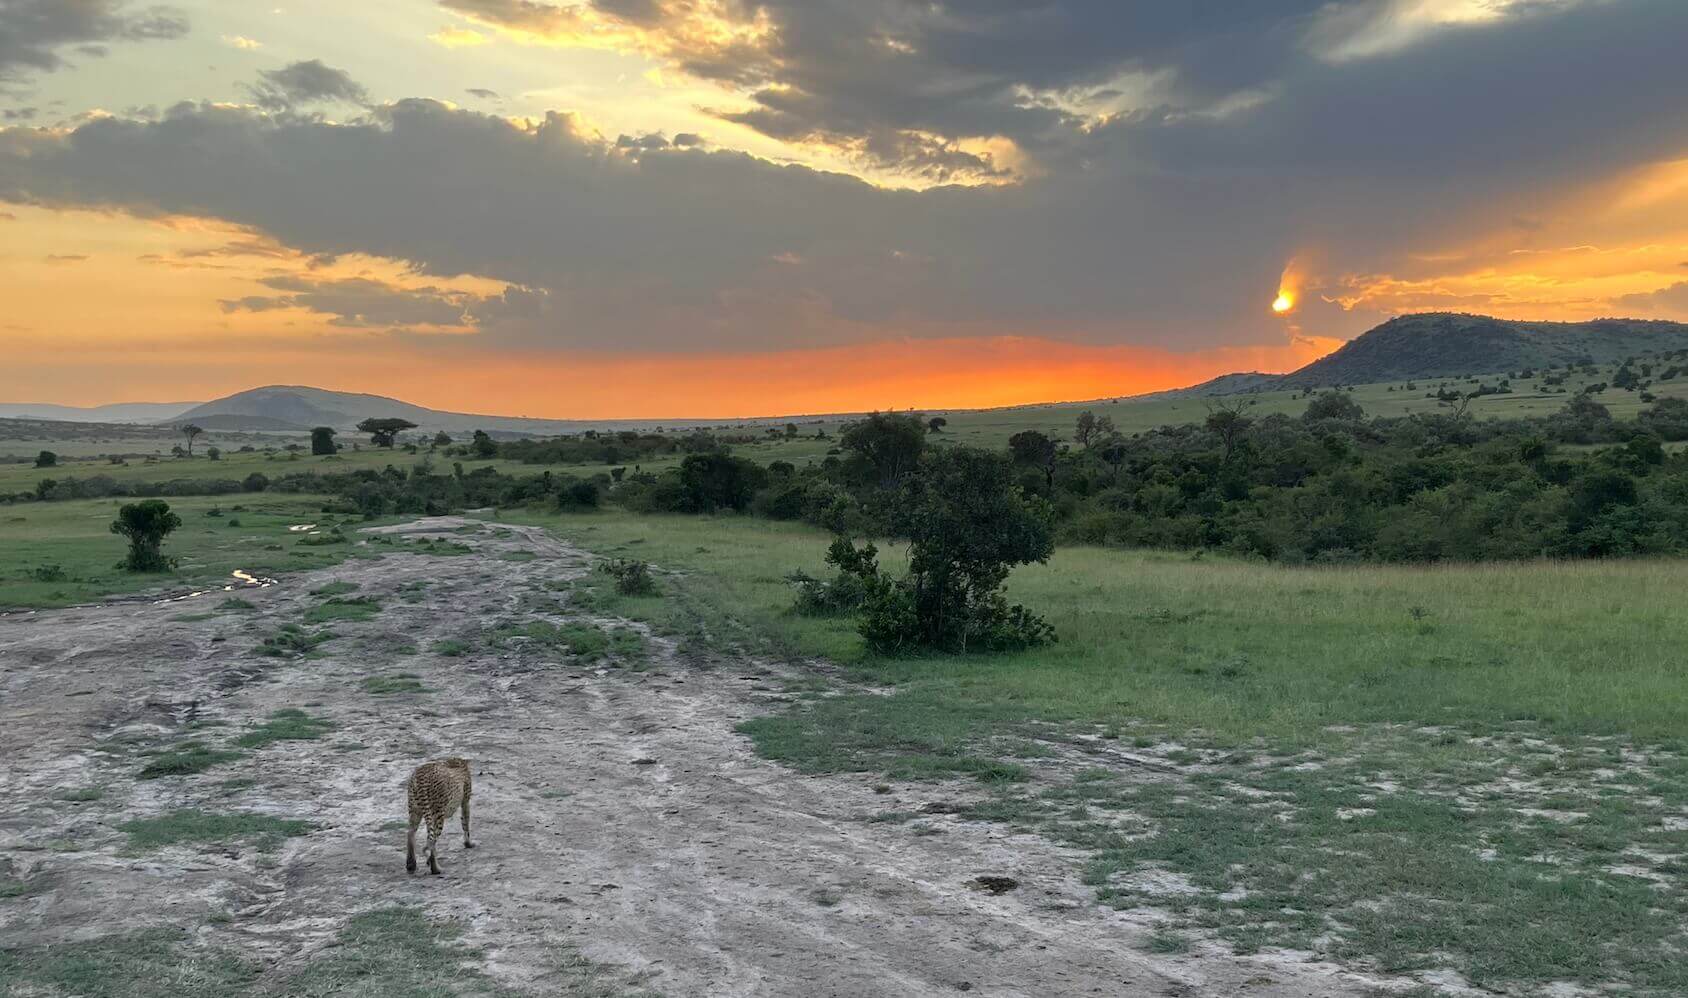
(482, 445)
(46, 459)
(791, 431)
(322, 440)
(1228, 419)
(442, 439)
(891, 444)
(213, 454)
(1333, 405)
(968, 526)
(1092, 428)
(718, 480)
(190, 431)
(1029, 447)
(936, 424)
(146, 524)
(384, 431)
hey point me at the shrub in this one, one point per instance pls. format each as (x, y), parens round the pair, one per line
(632, 578)
(146, 524)
(46, 459)
(858, 576)
(47, 573)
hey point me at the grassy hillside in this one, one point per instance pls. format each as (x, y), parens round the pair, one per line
(1439, 344)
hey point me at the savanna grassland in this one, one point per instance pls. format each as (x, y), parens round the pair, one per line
(1299, 737)
(1469, 767)
(62, 553)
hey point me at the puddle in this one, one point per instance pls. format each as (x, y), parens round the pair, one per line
(242, 580)
(300, 528)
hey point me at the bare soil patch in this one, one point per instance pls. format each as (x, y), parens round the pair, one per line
(619, 820)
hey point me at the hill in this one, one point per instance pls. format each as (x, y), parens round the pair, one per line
(1451, 344)
(1441, 344)
(302, 407)
(122, 412)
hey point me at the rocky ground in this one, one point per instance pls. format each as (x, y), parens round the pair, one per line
(628, 840)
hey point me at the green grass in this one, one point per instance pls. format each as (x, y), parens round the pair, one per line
(404, 682)
(289, 725)
(193, 826)
(1398, 768)
(76, 535)
(348, 608)
(583, 641)
(293, 641)
(395, 953)
(81, 795)
(338, 588)
(186, 759)
(451, 648)
(152, 963)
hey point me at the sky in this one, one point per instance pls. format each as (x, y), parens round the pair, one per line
(718, 208)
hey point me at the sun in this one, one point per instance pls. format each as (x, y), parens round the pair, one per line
(1283, 303)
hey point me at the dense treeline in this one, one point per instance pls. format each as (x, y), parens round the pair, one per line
(1328, 486)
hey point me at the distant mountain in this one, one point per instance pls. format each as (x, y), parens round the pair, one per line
(301, 407)
(1448, 344)
(122, 412)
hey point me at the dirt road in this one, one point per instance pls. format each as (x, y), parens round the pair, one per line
(617, 813)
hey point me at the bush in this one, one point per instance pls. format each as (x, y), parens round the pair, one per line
(632, 578)
(857, 578)
(46, 459)
(47, 573)
(579, 494)
(146, 524)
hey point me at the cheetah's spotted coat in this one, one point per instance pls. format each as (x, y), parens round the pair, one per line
(437, 790)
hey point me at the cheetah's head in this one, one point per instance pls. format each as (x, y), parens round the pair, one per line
(456, 763)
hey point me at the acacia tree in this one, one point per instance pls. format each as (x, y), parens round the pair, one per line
(190, 431)
(889, 442)
(322, 440)
(384, 431)
(1035, 449)
(146, 524)
(1228, 418)
(46, 459)
(1091, 428)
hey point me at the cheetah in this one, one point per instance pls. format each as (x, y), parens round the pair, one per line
(436, 790)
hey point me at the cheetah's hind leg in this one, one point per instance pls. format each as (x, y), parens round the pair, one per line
(436, 824)
(410, 843)
(466, 843)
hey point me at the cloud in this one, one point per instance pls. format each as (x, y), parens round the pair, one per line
(1165, 225)
(242, 42)
(306, 82)
(904, 86)
(1671, 302)
(33, 32)
(453, 37)
(65, 257)
(366, 303)
(483, 93)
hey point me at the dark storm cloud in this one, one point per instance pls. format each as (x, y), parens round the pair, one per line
(361, 302)
(306, 82)
(857, 73)
(32, 32)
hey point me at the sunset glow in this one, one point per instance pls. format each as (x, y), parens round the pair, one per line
(649, 209)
